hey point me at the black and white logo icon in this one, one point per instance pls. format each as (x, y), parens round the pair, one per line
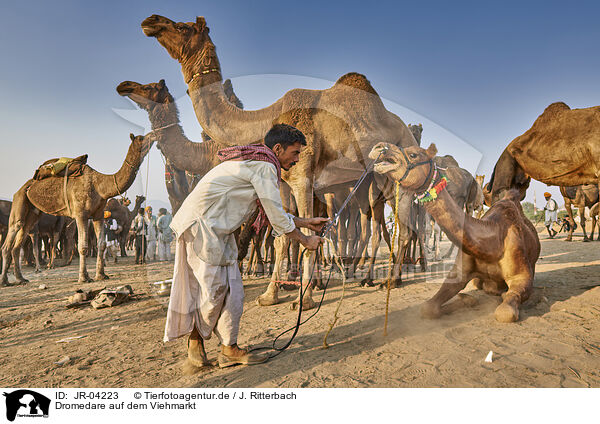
(26, 403)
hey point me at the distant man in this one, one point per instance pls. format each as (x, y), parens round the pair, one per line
(551, 212)
(151, 234)
(165, 234)
(139, 228)
(207, 294)
(110, 228)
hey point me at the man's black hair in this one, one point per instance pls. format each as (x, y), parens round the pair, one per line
(140, 211)
(284, 134)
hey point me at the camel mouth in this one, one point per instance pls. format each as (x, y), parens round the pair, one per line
(125, 88)
(150, 30)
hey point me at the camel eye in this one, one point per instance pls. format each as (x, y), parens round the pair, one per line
(412, 155)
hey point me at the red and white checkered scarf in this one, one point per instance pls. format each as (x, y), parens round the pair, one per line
(253, 152)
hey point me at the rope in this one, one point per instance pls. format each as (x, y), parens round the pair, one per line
(338, 261)
(389, 281)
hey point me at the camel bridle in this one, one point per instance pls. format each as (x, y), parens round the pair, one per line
(412, 165)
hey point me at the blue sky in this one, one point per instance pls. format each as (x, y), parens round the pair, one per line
(473, 71)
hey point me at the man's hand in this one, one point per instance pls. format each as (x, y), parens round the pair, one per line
(312, 242)
(315, 224)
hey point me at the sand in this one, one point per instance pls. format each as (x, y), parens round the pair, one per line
(556, 342)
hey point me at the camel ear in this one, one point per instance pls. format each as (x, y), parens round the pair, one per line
(200, 22)
(161, 83)
(431, 151)
(131, 136)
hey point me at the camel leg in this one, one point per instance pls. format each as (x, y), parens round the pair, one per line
(99, 230)
(19, 226)
(364, 233)
(582, 222)
(304, 201)
(293, 263)
(251, 267)
(375, 241)
(82, 248)
(519, 289)
(270, 296)
(259, 269)
(455, 281)
(571, 221)
(35, 246)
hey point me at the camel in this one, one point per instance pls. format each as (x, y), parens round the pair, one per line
(86, 197)
(499, 251)
(341, 123)
(561, 148)
(163, 113)
(581, 197)
(124, 217)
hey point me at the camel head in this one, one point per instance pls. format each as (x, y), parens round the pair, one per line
(186, 42)
(416, 131)
(141, 144)
(410, 166)
(146, 96)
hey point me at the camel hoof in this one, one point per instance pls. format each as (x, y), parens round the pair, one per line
(430, 310)
(506, 313)
(293, 275)
(100, 277)
(85, 279)
(568, 239)
(22, 281)
(267, 299)
(585, 239)
(307, 303)
(37, 270)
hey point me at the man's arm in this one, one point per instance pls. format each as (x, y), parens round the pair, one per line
(310, 242)
(315, 224)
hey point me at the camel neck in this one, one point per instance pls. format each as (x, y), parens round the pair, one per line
(111, 185)
(473, 236)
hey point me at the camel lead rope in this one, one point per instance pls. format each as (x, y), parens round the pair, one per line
(338, 261)
(389, 281)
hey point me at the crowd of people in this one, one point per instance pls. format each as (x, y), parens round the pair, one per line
(153, 235)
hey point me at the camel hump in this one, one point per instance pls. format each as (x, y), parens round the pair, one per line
(356, 80)
(555, 108)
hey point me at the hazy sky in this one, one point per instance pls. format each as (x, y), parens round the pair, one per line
(478, 72)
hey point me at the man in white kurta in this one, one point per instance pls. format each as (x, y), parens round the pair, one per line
(551, 214)
(207, 293)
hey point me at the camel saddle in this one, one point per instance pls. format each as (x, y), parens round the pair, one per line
(56, 167)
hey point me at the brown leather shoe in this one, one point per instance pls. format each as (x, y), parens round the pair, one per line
(237, 356)
(196, 353)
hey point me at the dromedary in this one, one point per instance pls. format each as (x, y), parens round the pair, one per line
(581, 197)
(163, 114)
(562, 148)
(341, 123)
(121, 213)
(86, 197)
(499, 251)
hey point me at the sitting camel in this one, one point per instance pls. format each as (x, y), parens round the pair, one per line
(499, 251)
(80, 197)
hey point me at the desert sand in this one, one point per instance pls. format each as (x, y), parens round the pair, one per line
(556, 342)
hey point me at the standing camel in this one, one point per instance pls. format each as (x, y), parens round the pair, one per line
(86, 197)
(499, 251)
(341, 123)
(561, 148)
(581, 197)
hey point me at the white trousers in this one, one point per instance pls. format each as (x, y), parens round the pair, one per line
(164, 251)
(151, 250)
(209, 297)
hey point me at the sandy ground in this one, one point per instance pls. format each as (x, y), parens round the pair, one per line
(556, 343)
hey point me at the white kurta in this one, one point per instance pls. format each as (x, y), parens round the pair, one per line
(551, 214)
(207, 287)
